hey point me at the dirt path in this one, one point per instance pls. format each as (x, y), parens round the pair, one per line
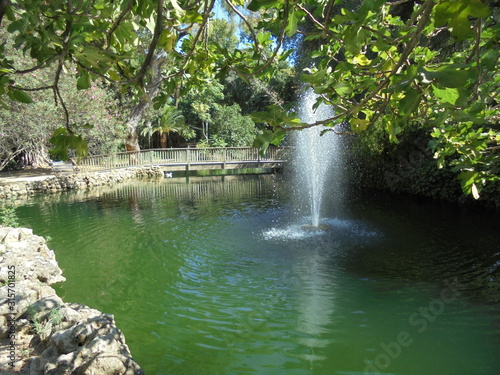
(25, 175)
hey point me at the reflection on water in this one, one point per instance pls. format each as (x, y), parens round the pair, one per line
(316, 304)
(217, 276)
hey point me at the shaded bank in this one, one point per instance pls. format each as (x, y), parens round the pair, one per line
(408, 168)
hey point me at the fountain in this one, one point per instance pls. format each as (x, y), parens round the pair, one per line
(315, 156)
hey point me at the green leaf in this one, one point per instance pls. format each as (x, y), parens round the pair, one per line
(178, 10)
(359, 125)
(314, 78)
(293, 23)
(255, 5)
(362, 60)
(468, 181)
(62, 140)
(392, 129)
(343, 88)
(94, 55)
(125, 34)
(101, 4)
(9, 13)
(410, 102)
(276, 117)
(447, 95)
(83, 82)
(490, 59)
(456, 15)
(20, 96)
(448, 76)
(353, 39)
(19, 25)
(345, 16)
(263, 38)
(192, 16)
(267, 137)
(373, 5)
(400, 86)
(167, 39)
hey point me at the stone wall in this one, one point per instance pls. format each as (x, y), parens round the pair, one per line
(39, 333)
(75, 181)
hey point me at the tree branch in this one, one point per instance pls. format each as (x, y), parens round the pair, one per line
(62, 56)
(115, 25)
(397, 2)
(316, 22)
(3, 6)
(278, 44)
(425, 12)
(139, 78)
(32, 89)
(250, 28)
(206, 16)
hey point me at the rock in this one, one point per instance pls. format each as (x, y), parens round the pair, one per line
(66, 338)
(38, 263)
(94, 346)
(4, 328)
(78, 181)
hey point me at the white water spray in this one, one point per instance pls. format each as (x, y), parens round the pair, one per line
(315, 154)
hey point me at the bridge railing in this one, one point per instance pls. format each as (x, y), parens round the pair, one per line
(181, 156)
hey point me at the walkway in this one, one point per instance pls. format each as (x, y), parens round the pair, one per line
(188, 158)
(169, 159)
(26, 175)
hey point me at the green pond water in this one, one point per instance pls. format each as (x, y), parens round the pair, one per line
(217, 276)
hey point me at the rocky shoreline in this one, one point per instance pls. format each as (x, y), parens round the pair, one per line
(74, 181)
(40, 334)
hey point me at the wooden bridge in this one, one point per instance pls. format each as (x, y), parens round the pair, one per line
(176, 159)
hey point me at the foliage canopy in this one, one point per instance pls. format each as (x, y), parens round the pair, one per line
(382, 63)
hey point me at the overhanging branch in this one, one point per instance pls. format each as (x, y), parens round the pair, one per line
(424, 13)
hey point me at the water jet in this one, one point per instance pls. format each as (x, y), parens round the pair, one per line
(316, 153)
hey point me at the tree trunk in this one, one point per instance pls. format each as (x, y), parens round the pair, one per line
(137, 114)
(204, 129)
(135, 118)
(163, 140)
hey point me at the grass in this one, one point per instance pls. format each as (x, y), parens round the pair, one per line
(41, 326)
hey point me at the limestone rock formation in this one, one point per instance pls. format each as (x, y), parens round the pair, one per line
(77, 181)
(41, 334)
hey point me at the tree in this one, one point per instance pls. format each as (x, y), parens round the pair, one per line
(381, 65)
(141, 46)
(378, 64)
(255, 94)
(206, 110)
(199, 105)
(28, 127)
(171, 120)
(234, 129)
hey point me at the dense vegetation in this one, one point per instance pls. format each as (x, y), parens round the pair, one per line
(97, 112)
(392, 70)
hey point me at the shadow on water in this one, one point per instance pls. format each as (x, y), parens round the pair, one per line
(219, 276)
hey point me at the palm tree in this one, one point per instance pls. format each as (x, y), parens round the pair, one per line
(171, 120)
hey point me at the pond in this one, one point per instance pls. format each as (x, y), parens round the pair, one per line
(216, 276)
